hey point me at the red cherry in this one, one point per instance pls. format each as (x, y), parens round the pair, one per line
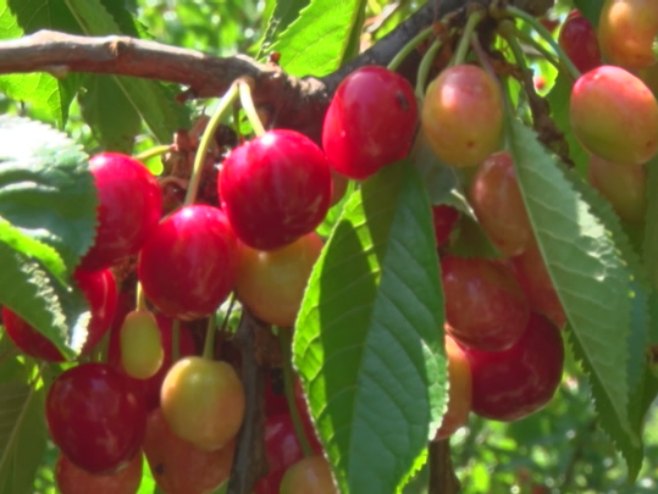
(74, 480)
(275, 188)
(485, 307)
(28, 339)
(187, 266)
(95, 417)
(370, 123)
(130, 205)
(445, 218)
(516, 382)
(578, 40)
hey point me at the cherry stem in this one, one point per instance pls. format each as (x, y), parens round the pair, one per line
(209, 343)
(207, 136)
(508, 28)
(229, 309)
(152, 152)
(140, 298)
(462, 48)
(409, 47)
(175, 341)
(545, 33)
(424, 68)
(249, 108)
(285, 342)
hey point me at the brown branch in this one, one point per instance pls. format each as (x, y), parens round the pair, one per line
(443, 479)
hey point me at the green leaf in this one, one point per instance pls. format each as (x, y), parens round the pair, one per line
(650, 245)
(22, 429)
(592, 280)
(320, 39)
(279, 14)
(368, 342)
(591, 9)
(46, 189)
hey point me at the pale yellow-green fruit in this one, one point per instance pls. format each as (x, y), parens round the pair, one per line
(141, 345)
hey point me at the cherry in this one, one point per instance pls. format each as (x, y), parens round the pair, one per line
(72, 479)
(369, 107)
(627, 29)
(187, 265)
(178, 466)
(272, 283)
(203, 401)
(445, 218)
(624, 185)
(578, 40)
(614, 115)
(513, 383)
(99, 288)
(141, 344)
(130, 205)
(311, 474)
(485, 307)
(95, 417)
(460, 393)
(496, 199)
(275, 188)
(462, 115)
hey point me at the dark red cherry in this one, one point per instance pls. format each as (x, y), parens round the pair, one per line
(370, 123)
(516, 382)
(445, 218)
(28, 339)
(485, 307)
(129, 208)
(95, 417)
(188, 264)
(578, 40)
(275, 188)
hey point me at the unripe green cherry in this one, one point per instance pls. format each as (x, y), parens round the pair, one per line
(141, 345)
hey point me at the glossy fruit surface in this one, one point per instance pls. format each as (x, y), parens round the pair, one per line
(28, 339)
(460, 394)
(578, 40)
(485, 307)
(203, 401)
(496, 199)
(130, 205)
(187, 265)
(275, 188)
(141, 345)
(74, 480)
(311, 474)
(614, 115)
(444, 218)
(462, 115)
(622, 184)
(369, 107)
(272, 283)
(95, 417)
(514, 383)
(627, 29)
(178, 466)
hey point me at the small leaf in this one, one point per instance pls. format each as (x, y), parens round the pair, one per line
(650, 245)
(368, 343)
(279, 14)
(591, 9)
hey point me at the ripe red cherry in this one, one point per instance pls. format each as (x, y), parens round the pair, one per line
(516, 382)
(578, 40)
(485, 307)
(130, 205)
(445, 218)
(95, 417)
(99, 288)
(187, 266)
(275, 188)
(370, 123)
(74, 480)
(498, 204)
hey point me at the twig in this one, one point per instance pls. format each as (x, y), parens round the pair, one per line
(442, 473)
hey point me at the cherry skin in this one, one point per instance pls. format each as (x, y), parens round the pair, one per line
(460, 394)
(496, 198)
(272, 283)
(275, 188)
(95, 417)
(578, 40)
(462, 115)
(178, 466)
(627, 29)
(519, 381)
(74, 480)
(203, 402)
(99, 288)
(141, 344)
(624, 185)
(614, 115)
(311, 474)
(485, 307)
(130, 206)
(445, 219)
(370, 105)
(187, 265)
